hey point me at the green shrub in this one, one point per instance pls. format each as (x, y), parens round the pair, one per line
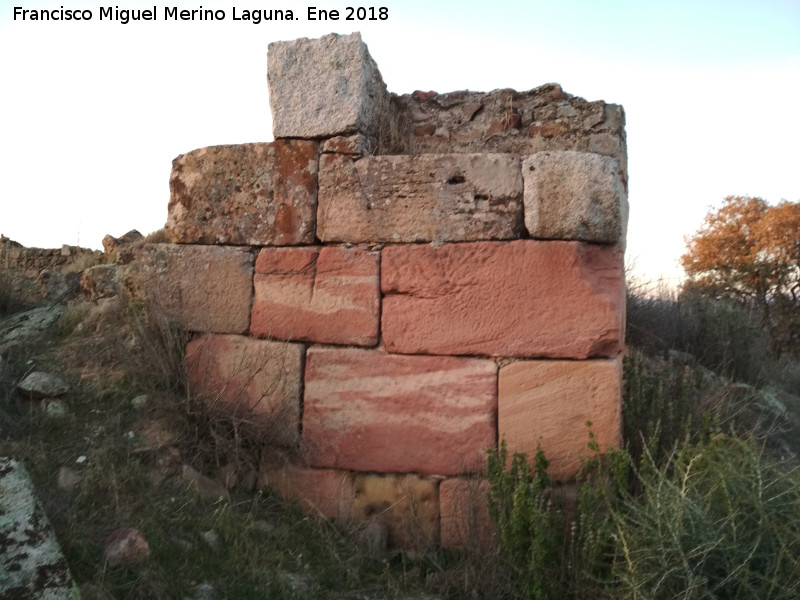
(530, 525)
(718, 520)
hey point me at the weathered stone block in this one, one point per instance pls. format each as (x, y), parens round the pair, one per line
(204, 288)
(548, 403)
(464, 514)
(255, 381)
(260, 194)
(407, 504)
(574, 196)
(319, 491)
(325, 87)
(423, 198)
(523, 298)
(369, 411)
(328, 295)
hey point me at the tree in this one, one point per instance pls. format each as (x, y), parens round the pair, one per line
(750, 252)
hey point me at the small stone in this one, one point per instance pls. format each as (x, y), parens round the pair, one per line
(54, 409)
(140, 401)
(423, 96)
(81, 459)
(374, 539)
(68, 479)
(470, 110)
(203, 485)
(204, 591)
(125, 546)
(211, 539)
(40, 384)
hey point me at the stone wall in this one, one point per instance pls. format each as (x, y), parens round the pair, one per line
(38, 273)
(398, 282)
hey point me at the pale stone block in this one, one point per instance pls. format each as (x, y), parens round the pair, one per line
(549, 403)
(325, 87)
(574, 196)
(424, 198)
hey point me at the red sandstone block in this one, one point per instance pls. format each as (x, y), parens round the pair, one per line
(369, 411)
(260, 194)
(523, 298)
(548, 403)
(464, 514)
(329, 295)
(319, 491)
(256, 382)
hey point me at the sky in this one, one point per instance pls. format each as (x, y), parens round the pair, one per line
(92, 113)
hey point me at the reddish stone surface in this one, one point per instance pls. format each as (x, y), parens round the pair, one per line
(256, 382)
(548, 403)
(369, 411)
(523, 298)
(327, 295)
(203, 288)
(256, 194)
(420, 95)
(407, 504)
(419, 198)
(356, 144)
(319, 491)
(464, 514)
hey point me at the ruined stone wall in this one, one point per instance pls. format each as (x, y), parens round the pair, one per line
(39, 273)
(398, 282)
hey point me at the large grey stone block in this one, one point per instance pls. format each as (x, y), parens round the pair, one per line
(574, 196)
(323, 87)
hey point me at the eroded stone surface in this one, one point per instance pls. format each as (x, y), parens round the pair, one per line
(369, 411)
(204, 288)
(407, 504)
(574, 196)
(549, 403)
(325, 87)
(31, 562)
(522, 298)
(327, 295)
(456, 197)
(464, 514)
(259, 194)
(254, 381)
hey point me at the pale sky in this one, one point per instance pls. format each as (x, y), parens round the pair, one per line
(94, 112)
